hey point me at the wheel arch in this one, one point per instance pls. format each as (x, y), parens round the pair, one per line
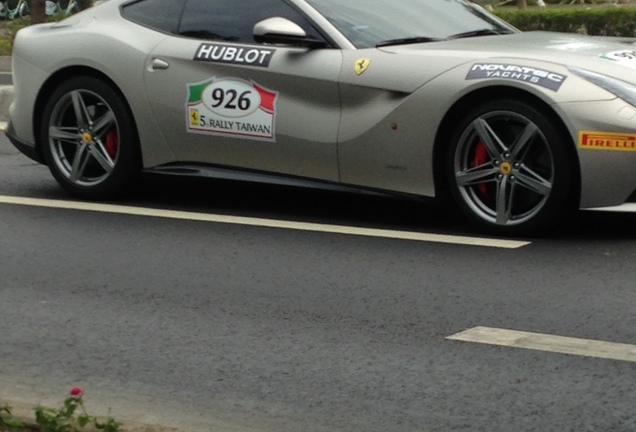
(455, 113)
(59, 77)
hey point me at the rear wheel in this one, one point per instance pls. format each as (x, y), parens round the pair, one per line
(88, 138)
(509, 169)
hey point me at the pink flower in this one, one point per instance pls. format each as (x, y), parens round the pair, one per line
(76, 392)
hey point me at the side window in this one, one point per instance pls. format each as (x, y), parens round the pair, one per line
(162, 15)
(234, 20)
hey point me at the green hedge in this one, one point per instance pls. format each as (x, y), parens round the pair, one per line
(611, 21)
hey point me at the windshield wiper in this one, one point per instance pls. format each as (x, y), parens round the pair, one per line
(408, 40)
(475, 33)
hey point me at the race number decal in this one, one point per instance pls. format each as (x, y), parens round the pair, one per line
(626, 57)
(232, 107)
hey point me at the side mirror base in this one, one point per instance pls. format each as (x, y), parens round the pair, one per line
(281, 31)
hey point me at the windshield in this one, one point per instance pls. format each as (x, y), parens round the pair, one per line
(369, 23)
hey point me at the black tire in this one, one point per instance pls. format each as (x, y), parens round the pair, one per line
(510, 171)
(88, 139)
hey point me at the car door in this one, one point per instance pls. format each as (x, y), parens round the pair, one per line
(221, 98)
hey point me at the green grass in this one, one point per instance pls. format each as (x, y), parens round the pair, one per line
(8, 29)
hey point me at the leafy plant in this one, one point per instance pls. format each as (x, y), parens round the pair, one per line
(6, 421)
(66, 420)
(598, 21)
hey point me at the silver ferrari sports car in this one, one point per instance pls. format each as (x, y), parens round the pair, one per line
(423, 98)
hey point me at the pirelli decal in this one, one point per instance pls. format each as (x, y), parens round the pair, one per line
(231, 54)
(607, 141)
(540, 77)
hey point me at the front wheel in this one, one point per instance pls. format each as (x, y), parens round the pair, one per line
(509, 169)
(88, 138)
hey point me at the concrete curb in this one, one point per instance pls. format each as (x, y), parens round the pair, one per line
(6, 97)
(6, 91)
(5, 63)
(25, 413)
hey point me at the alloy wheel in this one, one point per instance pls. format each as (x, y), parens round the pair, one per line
(504, 168)
(84, 138)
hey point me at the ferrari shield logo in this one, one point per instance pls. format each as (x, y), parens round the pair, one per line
(361, 66)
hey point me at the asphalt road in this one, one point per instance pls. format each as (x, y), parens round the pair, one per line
(227, 327)
(6, 78)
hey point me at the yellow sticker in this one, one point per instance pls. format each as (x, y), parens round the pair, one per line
(506, 168)
(87, 138)
(194, 117)
(361, 66)
(608, 141)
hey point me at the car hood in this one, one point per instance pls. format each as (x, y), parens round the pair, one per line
(606, 55)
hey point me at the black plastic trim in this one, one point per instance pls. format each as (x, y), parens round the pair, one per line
(25, 148)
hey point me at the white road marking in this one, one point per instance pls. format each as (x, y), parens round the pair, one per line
(623, 208)
(3, 126)
(547, 342)
(237, 220)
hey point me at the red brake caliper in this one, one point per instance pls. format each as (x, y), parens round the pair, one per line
(112, 143)
(480, 158)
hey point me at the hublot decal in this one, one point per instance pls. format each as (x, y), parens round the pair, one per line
(223, 53)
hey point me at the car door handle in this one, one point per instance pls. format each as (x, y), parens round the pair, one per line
(158, 64)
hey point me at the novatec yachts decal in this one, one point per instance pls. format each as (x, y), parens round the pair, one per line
(540, 77)
(232, 107)
(223, 53)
